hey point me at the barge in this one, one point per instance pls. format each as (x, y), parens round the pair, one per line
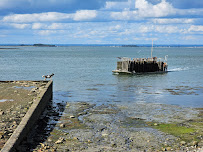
(141, 65)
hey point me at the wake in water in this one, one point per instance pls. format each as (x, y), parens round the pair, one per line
(184, 68)
(179, 69)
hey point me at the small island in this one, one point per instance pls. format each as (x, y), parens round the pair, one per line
(44, 45)
(129, 45)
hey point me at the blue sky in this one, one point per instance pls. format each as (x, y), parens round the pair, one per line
(101, 21)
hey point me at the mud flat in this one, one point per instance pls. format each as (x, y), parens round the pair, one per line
(17, 99)
(89, 127)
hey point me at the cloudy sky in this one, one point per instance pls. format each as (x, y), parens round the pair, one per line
(101, 21)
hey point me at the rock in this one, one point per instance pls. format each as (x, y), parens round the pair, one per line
(1, 113)
(42, 145)
(75, 138)
(155, 124)
(1, 136)
(60, 140)
(49, 140)
(72, 116)
(31, 102)
(104, 134)
(168, 148)
(195, 143)
(114, 145)
(182, 143)
(62, 125)
(46, 147)
(22, 115)
(14, 123)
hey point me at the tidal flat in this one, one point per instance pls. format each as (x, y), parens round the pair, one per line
(83, 126)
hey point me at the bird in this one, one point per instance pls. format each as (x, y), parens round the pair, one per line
(48, 76)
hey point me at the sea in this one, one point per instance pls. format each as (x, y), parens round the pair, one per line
(84, 73)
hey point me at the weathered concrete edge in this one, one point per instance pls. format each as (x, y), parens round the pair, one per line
(30, 118)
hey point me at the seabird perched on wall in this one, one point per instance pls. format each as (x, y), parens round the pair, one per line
(48, 76)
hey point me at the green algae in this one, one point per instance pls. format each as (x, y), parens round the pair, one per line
(174, 129)
(185, 133)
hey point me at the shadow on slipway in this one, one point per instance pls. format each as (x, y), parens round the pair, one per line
(43, 127)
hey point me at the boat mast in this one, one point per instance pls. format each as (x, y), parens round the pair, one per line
(152, 48)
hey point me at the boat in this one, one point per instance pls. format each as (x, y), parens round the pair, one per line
(127, 65)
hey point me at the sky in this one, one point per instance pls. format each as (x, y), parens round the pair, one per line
(101, 21)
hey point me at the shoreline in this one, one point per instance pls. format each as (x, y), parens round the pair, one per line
(83, 126)
(86, 126)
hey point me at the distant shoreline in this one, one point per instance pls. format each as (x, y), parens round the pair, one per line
(7, 48)
(97, 45)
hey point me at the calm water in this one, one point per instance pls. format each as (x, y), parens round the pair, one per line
(85, 74)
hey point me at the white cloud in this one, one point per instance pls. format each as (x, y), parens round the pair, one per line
(167, 29)
(41, 17)
(49, 32)
(36, 26)
(145, 29)
(53, 26)
(126, 32)
(116, 27)
(116, 5)
(146, 9)
(20, 26)
(195, 28)
(173, 21)
(189, 38)
(124, 15)
(50, 17)
(85, 15)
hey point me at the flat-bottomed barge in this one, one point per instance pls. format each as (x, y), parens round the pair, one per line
(141, 65)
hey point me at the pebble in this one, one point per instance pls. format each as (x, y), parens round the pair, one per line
(1, 113)
(22, 115)
(62, 125)
(104, 134)
(195, 143)
(49, 140)
(155, 124)
(75, 138)
(168, 148)
(182, 143)
(60, 140)
(72, 116)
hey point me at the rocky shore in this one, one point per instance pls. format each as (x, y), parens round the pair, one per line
(16, 97)
(82, 126)
(93, 127)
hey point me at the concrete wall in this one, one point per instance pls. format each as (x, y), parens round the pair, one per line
(29, 119)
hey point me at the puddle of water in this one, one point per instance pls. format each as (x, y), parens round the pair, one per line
(26, 88)
(3, 100)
